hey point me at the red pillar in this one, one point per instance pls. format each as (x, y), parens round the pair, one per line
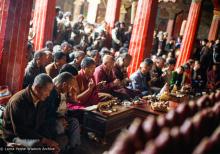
(14, 27)
(190, 33)
(142, 34)
(214, 29)
(170, 26)
(112, 13)
(43, 22)
(178, 24)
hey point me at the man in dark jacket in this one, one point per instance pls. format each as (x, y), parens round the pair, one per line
(216, 52)
(141, 78)
(78, 30)
(116, 37)
(157, 76)
(25, 115)
(206, 60)
(58, 112)
(216, 56)
(35, 67)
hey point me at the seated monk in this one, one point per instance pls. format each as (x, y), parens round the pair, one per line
(104, 72)
(54, 68)
(86, 90)
(120, 67)
(120, 72)
(65, 124)
(34, 68)
(78, 57)
(25, 116)
(157, 75)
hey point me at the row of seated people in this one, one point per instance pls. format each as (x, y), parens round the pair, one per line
(42, 111)
(187, 131)
(39, 114)
(93, 81)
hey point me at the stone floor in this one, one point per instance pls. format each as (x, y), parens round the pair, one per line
(89, 146)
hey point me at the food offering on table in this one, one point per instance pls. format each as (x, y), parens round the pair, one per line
(161, 106)
(107, 107)
(165, 96)
(150, 98)
(131, 102)
(174, 90)
(138, 101)
(186, 89)
(180, 95)
(126, 103)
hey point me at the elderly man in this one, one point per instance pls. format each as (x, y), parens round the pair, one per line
(35, 67)
(95, 55)
(121, 64)
(157, 76)
(66, 48)
(49, 56)
(104, 72)
(78, 57)
(120, 72)
(25, 115)
(54, 68)
(49, 46)
(59, 112)
(87, 93)
(140, 79)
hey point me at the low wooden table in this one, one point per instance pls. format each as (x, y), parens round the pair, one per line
(104, 125)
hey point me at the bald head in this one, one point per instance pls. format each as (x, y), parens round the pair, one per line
(108, 61)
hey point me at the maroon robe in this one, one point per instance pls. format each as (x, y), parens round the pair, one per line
(121, 74)
(101, 74)
(83, 82)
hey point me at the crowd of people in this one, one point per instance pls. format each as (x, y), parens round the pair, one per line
(84, 65)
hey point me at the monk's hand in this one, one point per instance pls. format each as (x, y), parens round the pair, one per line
(101, 84)
(72, 94)
(117, 82)
(126, 81)
(91, 84)
(64, 122)
(51, 144)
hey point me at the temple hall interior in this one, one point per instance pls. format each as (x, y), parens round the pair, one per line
(109, 76)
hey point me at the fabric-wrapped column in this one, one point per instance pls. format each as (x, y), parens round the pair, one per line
(142, 34)
(112, 13)
(214, 29)
(190, 33)
(170, 26)
(43, 22)
(92, 10)
(15, 17)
